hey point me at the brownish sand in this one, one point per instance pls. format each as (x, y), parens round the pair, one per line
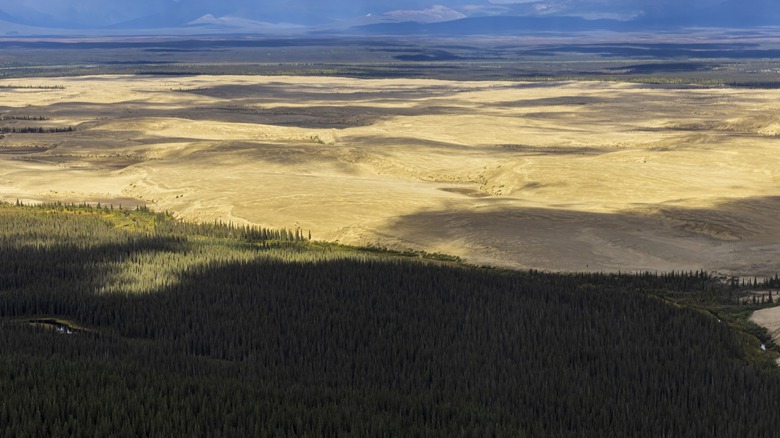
(553, 176)
(769, 319)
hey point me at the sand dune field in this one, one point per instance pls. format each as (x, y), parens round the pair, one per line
(574, 176)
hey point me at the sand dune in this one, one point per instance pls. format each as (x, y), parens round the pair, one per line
(556, 176)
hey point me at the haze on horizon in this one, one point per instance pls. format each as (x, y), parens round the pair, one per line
(305, 15)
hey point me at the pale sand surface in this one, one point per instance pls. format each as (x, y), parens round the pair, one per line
(553, 176)
(769, 319)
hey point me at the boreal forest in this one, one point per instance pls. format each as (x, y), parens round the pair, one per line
(127, 322)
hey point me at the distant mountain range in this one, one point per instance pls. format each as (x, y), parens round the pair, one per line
(730, 14)
(230, 16)
(498, 25)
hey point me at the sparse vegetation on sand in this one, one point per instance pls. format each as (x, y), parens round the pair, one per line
(115, 321)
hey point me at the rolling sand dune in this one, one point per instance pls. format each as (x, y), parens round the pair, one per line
(553, 176)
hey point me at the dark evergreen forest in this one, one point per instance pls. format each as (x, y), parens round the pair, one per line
(130, 323)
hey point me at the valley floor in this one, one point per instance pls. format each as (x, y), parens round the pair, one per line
(560, 176)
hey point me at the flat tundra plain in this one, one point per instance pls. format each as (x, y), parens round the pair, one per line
(557, 176)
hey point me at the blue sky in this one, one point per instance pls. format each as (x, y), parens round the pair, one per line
(98, 13)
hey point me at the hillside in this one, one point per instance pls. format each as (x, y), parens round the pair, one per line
(116, 321)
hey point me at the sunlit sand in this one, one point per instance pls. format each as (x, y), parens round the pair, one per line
(584, 176)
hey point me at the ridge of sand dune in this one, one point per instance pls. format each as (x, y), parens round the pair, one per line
(216, 131)
(554, 176)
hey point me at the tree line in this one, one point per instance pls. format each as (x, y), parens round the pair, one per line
(33, 130)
